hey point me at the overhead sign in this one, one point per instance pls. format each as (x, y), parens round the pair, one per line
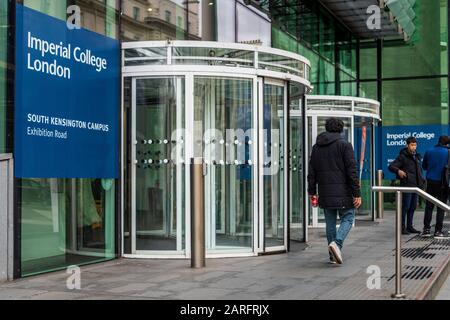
(67, 100)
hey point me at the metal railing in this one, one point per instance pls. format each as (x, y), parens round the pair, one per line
(398, 227)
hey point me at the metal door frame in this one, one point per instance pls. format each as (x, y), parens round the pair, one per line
(285, 128)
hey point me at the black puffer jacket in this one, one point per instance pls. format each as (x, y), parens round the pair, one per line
(405, 162)
(332, 167)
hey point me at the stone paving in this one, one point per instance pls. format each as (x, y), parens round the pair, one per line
(303, 273)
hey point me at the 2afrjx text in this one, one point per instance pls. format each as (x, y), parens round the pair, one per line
(227, 309)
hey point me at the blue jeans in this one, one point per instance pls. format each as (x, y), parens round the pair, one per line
(409, 204)
(347, 216)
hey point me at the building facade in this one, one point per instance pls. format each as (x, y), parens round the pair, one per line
(60, 221)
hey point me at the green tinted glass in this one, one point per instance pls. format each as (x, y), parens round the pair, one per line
(415, 102)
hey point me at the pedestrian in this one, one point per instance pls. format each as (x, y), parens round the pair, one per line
(407, 167)
(333, 171)
(434, 162)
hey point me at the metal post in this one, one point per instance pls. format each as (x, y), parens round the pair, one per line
(398, 248)
(197, 214)
(380, 196)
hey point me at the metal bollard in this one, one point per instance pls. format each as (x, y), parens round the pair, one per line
(197, 214)
(398, 249)
(380, 195)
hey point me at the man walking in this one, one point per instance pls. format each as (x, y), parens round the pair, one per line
(407, 168)
(332, 167)
(434, 162)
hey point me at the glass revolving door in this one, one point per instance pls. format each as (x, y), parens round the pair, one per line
(227, 104)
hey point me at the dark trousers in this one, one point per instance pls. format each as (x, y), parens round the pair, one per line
(409, 204)
(435, 189)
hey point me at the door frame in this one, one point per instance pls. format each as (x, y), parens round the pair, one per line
(262, 248)
(179, 252)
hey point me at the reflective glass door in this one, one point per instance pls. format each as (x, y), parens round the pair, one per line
(296, 172)
(159, 170)
(273, 186)
(223, 128)
(364, 158)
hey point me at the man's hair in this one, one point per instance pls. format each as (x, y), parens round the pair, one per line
(443, 140)
(334, 125)
(411, 140)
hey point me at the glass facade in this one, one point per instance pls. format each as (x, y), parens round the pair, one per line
(167, 20)
(69, 221)
(3, 76)
(410, 77)
(305, 27)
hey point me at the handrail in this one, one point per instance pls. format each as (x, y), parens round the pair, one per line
(416, 190)
(398, 244)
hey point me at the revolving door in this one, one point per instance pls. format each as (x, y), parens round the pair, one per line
(225, 103)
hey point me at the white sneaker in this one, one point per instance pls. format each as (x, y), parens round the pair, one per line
(336, 252)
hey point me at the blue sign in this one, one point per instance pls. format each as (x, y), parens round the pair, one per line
(67, 100)
(394, 139)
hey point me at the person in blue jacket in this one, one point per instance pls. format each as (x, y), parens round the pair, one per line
(434, 163)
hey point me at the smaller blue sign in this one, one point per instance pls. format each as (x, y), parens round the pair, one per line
(394, 140)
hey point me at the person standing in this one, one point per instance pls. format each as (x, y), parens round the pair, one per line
(333, 171)
(434, 162)
(408, 169)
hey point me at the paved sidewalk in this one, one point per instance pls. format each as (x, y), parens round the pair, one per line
(444, 293)
(303, 273)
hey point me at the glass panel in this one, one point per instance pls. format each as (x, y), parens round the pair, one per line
(141, 56)
(415, 102)
(127, 159)
(363, 153)
(223, 115)
(296, 172)
(213, 56)
(160, 178)
(426, 52)
(311, 142)
(348, 89)
(368, 90)
(273, 186)
(102, 18)
(66, 222)
(326, 34)
(326, 78)
(164, 20)
(368, 59)
(279, 63)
